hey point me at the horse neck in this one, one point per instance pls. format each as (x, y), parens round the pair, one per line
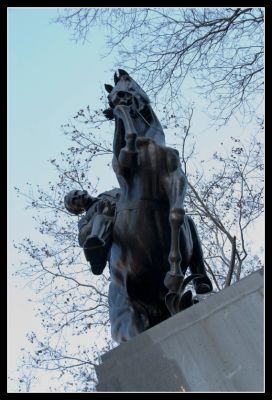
(144, 183)
(155, 130)
(148, 125)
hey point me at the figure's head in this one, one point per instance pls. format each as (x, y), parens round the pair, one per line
(76, 201)
(125, 92)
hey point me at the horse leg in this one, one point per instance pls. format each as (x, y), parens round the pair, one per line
(202, 284)
(129, 155)
(126, 321)
(175, 186)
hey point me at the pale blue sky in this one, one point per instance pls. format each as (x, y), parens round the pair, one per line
(49, 79)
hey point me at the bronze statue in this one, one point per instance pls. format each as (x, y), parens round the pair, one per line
(95, 227)
(153, 241)
(144, 232)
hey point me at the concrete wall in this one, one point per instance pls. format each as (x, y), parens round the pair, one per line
(214, 346)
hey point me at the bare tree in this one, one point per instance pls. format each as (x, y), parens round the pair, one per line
(221, 49)
(226, 204)
(72, 302)
(167, 49)
(27, 376)
(73, 369)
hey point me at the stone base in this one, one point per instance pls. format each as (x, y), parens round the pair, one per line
(214, 346)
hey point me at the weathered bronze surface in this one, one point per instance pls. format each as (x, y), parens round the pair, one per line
(95, 227)
(141, 228)
(153, 241)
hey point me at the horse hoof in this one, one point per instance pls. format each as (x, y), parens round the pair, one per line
(203, 288)
(171, 302)
(186, 300)
(203, 285)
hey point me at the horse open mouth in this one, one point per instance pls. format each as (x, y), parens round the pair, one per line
(125, 102)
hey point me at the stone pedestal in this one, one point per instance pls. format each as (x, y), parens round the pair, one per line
(214, 346)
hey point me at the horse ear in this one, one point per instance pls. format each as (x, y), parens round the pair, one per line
(115, 77)
(122, 72)
(108, 87)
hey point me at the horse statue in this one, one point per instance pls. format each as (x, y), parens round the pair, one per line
(154, 242)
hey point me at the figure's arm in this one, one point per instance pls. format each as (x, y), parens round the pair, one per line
(84, 227)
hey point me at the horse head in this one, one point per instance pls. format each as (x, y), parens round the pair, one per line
(126, 92)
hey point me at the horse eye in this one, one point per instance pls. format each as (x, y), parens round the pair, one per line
(121, 94)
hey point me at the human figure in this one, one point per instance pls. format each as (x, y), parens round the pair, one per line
(95, 227)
